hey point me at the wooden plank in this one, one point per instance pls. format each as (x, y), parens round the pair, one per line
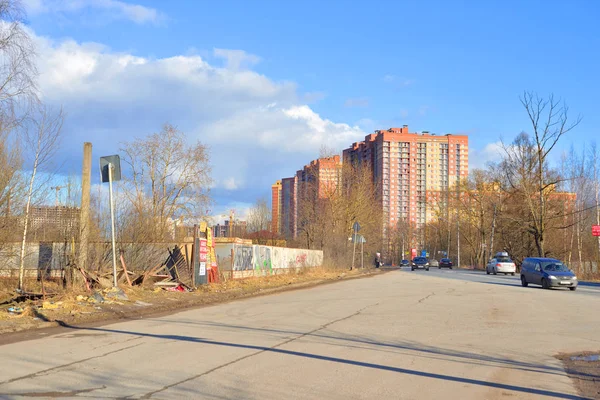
(125, 270)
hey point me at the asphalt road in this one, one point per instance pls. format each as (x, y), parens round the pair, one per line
(584, 288)
(399, 335)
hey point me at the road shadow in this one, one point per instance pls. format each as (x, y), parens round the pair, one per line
(276, 350)
(410, 347)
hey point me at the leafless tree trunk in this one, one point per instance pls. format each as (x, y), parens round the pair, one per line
(259, 216)
(41, 136)
(595, 159)
(549, 122)
(168, 179)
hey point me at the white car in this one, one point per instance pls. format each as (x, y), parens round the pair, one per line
(501, 264)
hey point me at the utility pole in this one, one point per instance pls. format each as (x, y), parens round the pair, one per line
(457, 222)
(84, 215)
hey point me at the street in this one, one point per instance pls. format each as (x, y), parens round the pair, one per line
(403, 335)
(585, 288)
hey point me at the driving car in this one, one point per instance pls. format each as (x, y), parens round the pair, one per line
(404, 263)
(548, 272)
(501, 264)
(434, 263)
(445, 263)
(420, 263)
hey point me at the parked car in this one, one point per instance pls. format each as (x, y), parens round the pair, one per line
(501, 264)
(445, 263)
(404, 263)
(548, 272)
(420, 263)
(434, 263)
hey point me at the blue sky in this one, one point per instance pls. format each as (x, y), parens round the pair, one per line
(266, 83)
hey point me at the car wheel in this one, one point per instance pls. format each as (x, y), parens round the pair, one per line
(439, 267)
(495, 272)
(412, 269)
(573, 288)
(427, 269)
(450, 267)
(487, 271)
(524, 281)
(545, 283)
(512, 273)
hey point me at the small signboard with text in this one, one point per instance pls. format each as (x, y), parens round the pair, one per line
(595, 230)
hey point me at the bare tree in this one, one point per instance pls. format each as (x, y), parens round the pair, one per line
(41, 136)
(17, 62)
(259, 216)
(549, 122)
(168, 180)
(595, 160)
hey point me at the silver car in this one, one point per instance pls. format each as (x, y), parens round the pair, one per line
(501, 264)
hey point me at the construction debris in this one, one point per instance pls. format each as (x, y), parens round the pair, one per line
(115, 293)
(95, 298)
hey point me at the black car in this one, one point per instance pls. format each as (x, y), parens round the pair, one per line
(445, 263)
(420, 263)
(404, 263)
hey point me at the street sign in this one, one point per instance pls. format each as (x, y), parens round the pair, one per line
(423, 253)
(356, 227)
(110, 171)
(116, 172)
(596, 230)
(356, 238)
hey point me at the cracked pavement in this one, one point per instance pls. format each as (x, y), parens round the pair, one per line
(359, 339)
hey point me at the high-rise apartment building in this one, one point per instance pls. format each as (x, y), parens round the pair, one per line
(276, 207)
(317, 180)
(289, 204)
(411, 170)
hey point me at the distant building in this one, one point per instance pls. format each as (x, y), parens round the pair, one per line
(276, 207)
(317, 180)
(56, 223)
(289, 204)
(225, 230)
(411, 170)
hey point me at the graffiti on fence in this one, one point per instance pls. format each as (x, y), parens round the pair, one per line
(242, 260)
(262, 258)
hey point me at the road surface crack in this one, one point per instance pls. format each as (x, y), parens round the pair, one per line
(426, 297)
(324, 326)
(70, 393)
(43, 372)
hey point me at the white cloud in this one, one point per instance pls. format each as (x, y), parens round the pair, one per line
(258, 129)
(231, 184)
(492, 152)
(115, 9)
(236, 59)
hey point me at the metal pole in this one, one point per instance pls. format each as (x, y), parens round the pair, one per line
(353, 248)
(362, 254)
(112, 223)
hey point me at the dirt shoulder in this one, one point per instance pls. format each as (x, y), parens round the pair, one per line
(82, 309)
(584, 371)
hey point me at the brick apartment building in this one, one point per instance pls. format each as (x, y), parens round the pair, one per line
(411, 170)
(276, 207)
(237, 229)
(320, 178)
